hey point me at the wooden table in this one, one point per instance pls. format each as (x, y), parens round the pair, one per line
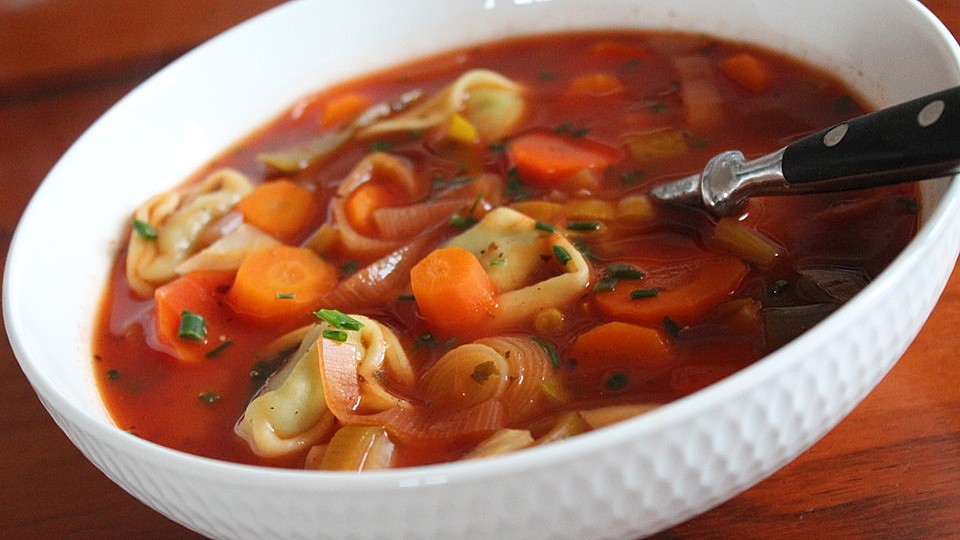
(889, 470)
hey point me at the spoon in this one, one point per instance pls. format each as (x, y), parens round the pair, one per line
(915, 140)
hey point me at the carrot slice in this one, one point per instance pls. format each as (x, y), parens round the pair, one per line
(746, 70)
(615, 355)
(544, 158)
(363, 202)
(342, 109)
(196, 294)
(280, 283)
(279, 207)
(683, 293)
(453, 291)
(595, 84)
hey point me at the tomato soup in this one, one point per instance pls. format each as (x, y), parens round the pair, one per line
(458, 257)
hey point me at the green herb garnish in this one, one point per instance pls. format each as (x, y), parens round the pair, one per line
(563, 256)
(338, 319)
(219, 349)
(144, 230)
(551, 351)
(778, 287)
(192, 327)
(541, 226)
(637, 294)
(605, 284)
(335, 335)
(286, 296)
(583, 225)
(622, 271)
(209, 397)
(617, 381)
(113, 374)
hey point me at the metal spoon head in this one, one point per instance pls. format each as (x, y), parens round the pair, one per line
(686, 190)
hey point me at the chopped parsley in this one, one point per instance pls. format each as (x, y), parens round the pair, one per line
(286, 296)
(113, 374)
(483, 371)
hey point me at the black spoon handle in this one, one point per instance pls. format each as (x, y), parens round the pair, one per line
(914, 140)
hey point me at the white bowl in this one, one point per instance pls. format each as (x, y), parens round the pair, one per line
(627, 480)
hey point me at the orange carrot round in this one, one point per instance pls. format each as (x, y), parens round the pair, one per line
(280, 208)
(361, 204)
(545, 158)
(453, 291)
(747, 71)
(617, 355)
(683, 294)
(281, 283)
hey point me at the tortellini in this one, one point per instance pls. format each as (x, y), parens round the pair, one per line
(178, 217)
(489, 102)
(291, 411)
(513, 252)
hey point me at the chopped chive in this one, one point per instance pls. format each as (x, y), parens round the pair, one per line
(144, 230)
(286, 296)
(461, 222)
(778, 287)
(192, 327)
(219, 349)
(209, 397)
(659, 107)
(335, 335)
(584, 225)
(637, 294)
(622, 271)
(113, 374)
(584, 250)
(497, 262)
(909, 205)
(541, 226)
(605, 284)
(405, 298)
(349, 267)
(515, 187)
(497, 147)
(338, 319)
(380, 146)
(563, 256)
(617, 381)
(426, 340)
(551, 351)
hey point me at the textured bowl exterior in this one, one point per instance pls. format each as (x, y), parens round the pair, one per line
(624, 481)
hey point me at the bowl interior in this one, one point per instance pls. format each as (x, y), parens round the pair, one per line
(199, 105)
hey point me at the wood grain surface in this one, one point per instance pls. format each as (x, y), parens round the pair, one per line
(891, 469)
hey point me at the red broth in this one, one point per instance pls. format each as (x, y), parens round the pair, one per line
(641, 95)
